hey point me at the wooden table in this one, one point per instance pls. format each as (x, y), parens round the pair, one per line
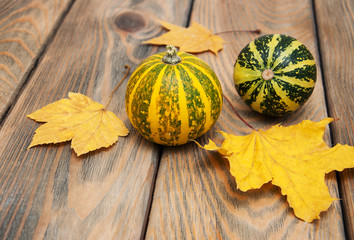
(136, 189)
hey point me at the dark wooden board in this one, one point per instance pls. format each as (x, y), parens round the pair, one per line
(25, 27)
(195, 196)
(47, 191)
(335, 22)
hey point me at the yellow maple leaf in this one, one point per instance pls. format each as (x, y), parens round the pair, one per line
(295, 158)
(193, 39)
(80, 119)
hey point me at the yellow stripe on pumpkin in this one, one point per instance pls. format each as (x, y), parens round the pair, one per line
(210, 77)
(256, 55)
(183, 110)
(271, 45)
(243, 74)
(292, 67)
(256, 105)
(294, 81)
(291, 105)
(286, 53)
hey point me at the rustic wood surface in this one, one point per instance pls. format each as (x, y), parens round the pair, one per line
(49, 192)
(25, 27)
(136, 189)
(194, 189)
(336, 38)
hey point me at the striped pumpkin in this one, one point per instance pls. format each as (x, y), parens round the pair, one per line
(172, 98)
(275, 74)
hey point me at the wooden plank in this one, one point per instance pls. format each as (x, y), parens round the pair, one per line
(47, 191)
(24, 29)
(335, 21)
(195, 195)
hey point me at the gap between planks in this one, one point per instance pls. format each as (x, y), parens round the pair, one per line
(161, 148)
(332, 141)
(151, 194)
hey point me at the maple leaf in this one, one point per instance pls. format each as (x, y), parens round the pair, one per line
(295, 158)
(80, 119)
(193, 39)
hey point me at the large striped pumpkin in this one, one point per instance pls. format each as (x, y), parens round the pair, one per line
(275, 74)
(173, 97)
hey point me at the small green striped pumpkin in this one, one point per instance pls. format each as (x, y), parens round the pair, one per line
(172, 98)
(275, 74)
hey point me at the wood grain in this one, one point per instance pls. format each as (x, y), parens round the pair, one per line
(336, 38)
(196, 197)
(25, 27)
(47, 192)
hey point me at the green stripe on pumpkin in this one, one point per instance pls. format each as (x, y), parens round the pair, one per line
(203, 67)
(272, 44)
(155, 103)
(284, 42)
(140, 99)
(293, 54)
(256, 95)
(250, 88)
(248, 60)
(209, 84)
(198, 105)
(298, 65)
(293, 91)
(307, 73)
(260, 48)
(137, 77)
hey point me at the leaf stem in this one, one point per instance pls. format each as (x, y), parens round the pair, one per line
(256, 31)
(238, 115)
(116, 88)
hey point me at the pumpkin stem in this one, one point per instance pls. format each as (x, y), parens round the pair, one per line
(171, 56)
(267, 74)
